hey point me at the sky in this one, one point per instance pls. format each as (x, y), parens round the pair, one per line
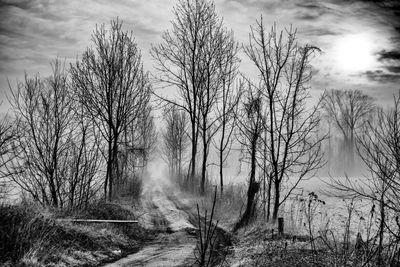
(360, 40)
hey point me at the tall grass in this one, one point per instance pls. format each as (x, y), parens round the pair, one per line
(348, 235)
(30, 235)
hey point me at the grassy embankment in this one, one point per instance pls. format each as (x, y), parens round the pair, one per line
(32, 236)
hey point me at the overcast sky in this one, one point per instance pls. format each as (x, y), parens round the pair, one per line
(360, 40)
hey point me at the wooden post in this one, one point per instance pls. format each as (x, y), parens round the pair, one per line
(280, 226)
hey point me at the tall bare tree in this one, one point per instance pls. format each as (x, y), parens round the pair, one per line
(293, 146)
(43, 113)
(348, 110)
(250, 127)
(111, 84)
(175, 140)
(55, 155)
(226, 102)
(192, 58)
(147, 138)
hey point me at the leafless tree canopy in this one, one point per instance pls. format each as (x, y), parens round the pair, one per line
(198, 58)
(110, 83)
(348, 110)
(175, 141)
(291, 141)
(55, 154)
(8, 134)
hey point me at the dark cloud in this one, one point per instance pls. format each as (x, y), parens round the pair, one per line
(310, 11)
(22, 4)
(395, 69)
(389, 55)
(381, 76)
(318, 31)
(309, 5)
(37, 8)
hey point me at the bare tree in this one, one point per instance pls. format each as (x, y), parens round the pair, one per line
(84, 161)
(111, 84)
(179, 59)
(43, 113)
(147, 134)
(52, 159)
(226, 109)
(293, 146)
(7, 136)
(175, 140)
(192, 58)
(226, 103)
(348, 110)
(220, 67)
(250, 127)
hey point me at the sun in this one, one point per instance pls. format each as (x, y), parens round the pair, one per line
(354, 53)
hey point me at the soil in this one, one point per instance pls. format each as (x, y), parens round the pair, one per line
(176, 243)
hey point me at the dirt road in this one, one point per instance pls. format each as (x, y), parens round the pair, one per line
(176, 246)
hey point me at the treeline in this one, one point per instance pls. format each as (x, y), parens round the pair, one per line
(78, 134)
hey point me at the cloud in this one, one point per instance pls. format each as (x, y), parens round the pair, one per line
(381, 76)
(395, 69)
(389, 55)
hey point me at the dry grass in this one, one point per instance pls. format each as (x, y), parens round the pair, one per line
(313, 238)
(30, 236)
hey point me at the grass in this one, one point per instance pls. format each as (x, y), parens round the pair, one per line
(30, 236)
(319, 231)
(314, 237)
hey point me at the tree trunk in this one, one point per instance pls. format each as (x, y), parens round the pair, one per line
(221, 173)
(351, 153)
(276, 202)
(194, 152)
(204, 165)
(252, 190)
(269, 199)
(54, 198)
(221, 157)
(381, 229)
(264, 188)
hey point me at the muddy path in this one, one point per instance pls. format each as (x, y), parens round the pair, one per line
(176, 242)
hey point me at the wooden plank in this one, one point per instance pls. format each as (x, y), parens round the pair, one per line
(97, 221)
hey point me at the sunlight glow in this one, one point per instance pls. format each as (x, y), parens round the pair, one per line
(354, 53)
